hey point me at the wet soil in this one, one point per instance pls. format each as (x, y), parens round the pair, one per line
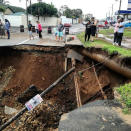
(41, 66)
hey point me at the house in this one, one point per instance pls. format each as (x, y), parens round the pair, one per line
(9, 11)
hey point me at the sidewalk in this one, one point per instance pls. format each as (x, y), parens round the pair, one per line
(47, 40)
(124, 44)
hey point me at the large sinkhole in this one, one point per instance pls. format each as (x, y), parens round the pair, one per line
(23, 66)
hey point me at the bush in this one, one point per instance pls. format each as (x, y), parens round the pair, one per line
(125, 92)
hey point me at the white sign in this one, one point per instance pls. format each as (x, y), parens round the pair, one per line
(31, 104)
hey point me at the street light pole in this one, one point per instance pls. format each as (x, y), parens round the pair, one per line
(120, 6)
(26, 12)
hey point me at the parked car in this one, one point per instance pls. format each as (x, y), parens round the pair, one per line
(102, 25)
(67, 25)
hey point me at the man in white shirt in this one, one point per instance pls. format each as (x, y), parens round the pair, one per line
(121, 31)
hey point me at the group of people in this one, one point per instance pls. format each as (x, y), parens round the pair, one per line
(91, 29)
(5, 26)
(38, 29)
(58, 31)
(118, 31)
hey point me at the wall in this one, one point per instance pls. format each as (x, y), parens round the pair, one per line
(68, 20)
(45, 21)
(15, 21)
(2, 16)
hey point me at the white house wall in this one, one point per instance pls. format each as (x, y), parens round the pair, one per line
(14, 20)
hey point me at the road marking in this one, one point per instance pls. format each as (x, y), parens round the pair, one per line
(26, 40)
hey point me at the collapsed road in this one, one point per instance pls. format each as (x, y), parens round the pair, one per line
(22, 66)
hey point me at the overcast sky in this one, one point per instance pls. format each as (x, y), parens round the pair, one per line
(98, 8)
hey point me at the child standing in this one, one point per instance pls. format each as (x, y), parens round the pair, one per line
(56, 33)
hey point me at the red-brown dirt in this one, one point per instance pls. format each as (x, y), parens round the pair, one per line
(41, 70)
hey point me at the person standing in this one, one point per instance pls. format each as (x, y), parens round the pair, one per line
(60, 31)
(93, 28)
(121, 31)
(116, 32)
(7, 28)
(30, 30)
(36, 28)
(106, 23)
(56, 33)
(97, 28)
(39, 29)
(1, 24)
(87, 30)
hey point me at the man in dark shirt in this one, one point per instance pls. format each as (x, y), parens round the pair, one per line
(93, 28)
(30, 30)
(87, 30)
(60, 31)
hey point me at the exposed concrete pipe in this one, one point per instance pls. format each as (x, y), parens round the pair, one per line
(109, 63)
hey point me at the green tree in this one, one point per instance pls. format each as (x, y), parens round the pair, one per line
(77, 13)
(68, 13)
(42, 9)
(2, 9)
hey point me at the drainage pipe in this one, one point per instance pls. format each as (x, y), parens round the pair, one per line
(42, 94)
(109, 63)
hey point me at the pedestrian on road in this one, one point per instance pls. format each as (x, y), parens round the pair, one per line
(121, 31)
(87, 30)
(60, 31)
(36, 28)
(106, 23)
(93, 28)
(116, 28)
(97, 28)
(7, 28)
(56, 33)
(30, 30)
(1, 24)
(39, 29)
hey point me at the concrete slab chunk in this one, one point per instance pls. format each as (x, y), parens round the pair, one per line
(9, 110)
(75, 55)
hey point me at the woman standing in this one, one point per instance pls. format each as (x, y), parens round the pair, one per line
(88, 30)
(39, 29)
(7, 28)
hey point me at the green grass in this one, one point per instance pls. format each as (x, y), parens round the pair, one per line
(106, 32)
(105, 46)
(125, 92)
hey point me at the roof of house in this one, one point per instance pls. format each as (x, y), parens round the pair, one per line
(18, 13)
(14, 9)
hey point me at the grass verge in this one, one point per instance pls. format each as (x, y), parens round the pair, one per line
(105, 46)
(125, 93)
(107, 32)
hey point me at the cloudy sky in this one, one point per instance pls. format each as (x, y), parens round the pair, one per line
(98, 8)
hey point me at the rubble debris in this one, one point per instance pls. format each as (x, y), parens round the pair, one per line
(10, 111)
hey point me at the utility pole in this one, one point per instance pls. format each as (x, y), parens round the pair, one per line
(112, 12)
(26, 12)
(31, 6)
(120, 6)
